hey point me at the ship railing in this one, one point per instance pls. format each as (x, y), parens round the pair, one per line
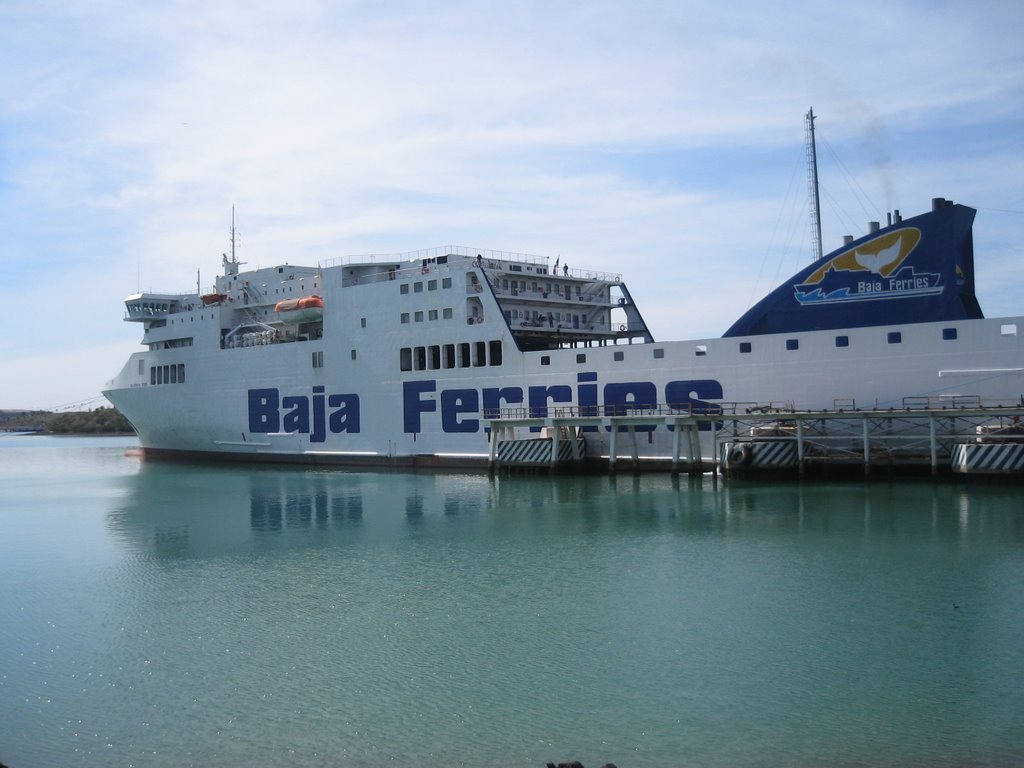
(592, 299)
(599, 411)
(485, 258)
(432, 253)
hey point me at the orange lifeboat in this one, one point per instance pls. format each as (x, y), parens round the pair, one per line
(305, 310)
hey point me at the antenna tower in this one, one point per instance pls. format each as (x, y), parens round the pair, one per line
(234, 234)
(812, 183)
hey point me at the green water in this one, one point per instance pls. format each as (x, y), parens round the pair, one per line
(173, 615)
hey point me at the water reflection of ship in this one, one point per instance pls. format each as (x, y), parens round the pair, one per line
(201, 511)
(188, 510)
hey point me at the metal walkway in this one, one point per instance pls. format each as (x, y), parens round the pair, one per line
(922, 434)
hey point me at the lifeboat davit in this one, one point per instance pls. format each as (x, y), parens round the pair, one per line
(308, 309)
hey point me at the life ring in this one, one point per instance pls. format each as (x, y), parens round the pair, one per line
(622, 327)
(739, 455)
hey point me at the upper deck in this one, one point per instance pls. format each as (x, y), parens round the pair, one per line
(542, 307)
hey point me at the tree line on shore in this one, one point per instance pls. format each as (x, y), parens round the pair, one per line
(99, 421)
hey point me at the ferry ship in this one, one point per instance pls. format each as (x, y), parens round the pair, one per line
(414, 359)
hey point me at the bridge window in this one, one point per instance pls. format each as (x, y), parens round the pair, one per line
(464, 360)
(792, 344)
(842, 341)
(494, 356)
(405, 359)
(744, 347)
(948, 334)
(894, 337)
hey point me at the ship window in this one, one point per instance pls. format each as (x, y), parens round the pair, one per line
(948, 334)
(842, 341)
(431, 285)
(744, 347)
(446, 282)
(619, 356)
(792, 344)
(353, 355)
(434, 361)
(142, 367)
(700, 351)
(152, 374)
(449, 355)
(479, 353)
(417, 287)
(318, 359)
(362, 322)
(581, 358)
(495, 352)
(1009, 329)
(403, 288)
(432, 314)
(545, 360)
(419, 316)
(405, 359)
(447, 313)
(659, 354)
(405, 317)
(464, 355)
(894, 337)
(181, 373)
(421, 358)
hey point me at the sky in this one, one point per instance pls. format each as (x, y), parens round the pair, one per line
(660, 140)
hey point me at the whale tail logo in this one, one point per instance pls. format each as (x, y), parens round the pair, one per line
(881, 256)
